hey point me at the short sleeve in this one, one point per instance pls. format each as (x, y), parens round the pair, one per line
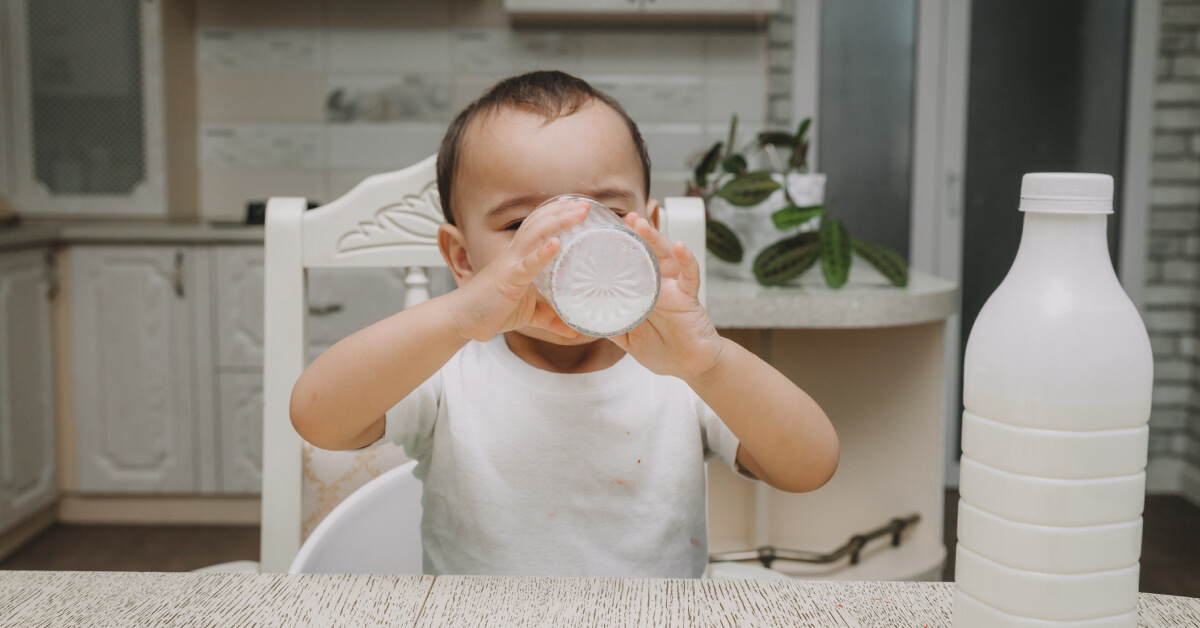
(410, 423)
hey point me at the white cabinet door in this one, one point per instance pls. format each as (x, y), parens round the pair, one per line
(568, 8)
(342, 301)
(712, 7)
(137, 393)
(519, 7)
(239, 315)
(27, 481)
(240, 409)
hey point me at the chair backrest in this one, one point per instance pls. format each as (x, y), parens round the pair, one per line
(377, 529)
(388, 220)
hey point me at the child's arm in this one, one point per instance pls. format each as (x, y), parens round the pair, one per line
(786, 439)
(339, 401)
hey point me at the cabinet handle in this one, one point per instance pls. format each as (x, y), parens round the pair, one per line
(179, 274)
(325, 310)
(52, 280)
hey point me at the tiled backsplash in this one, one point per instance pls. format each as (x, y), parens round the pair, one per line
(312, 109)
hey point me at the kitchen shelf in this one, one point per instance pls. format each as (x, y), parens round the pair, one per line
(866, 301)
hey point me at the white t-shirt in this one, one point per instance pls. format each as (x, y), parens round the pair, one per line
(529, 472)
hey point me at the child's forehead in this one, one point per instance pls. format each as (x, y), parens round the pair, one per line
(510, 144)
(517, 116)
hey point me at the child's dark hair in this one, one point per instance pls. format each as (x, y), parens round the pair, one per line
(550, 93)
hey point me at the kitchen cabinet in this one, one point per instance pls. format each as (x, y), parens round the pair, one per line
(567, 9)
(711, 7)
(143, 413)
(583, 7)
(238, 281)
(341, 301)
(167, 358)
(27, 447)
(239, 421)
(83, 131)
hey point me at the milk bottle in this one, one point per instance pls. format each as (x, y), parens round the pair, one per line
(605, 278)
(1056, 392)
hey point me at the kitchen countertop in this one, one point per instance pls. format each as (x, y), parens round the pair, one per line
(42, 234)
(866, 301)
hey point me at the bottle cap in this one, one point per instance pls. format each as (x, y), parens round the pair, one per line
(1067, 193)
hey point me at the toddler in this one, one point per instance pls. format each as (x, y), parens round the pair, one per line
(542, 451)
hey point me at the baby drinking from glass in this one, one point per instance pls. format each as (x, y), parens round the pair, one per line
(544, 451)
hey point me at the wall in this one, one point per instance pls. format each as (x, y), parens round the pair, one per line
(307, 97)
(1172, 294)
(266, 71)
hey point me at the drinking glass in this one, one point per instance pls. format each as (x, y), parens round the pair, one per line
(605, 279)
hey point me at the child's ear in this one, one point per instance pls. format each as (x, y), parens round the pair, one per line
(454, 250)
(652, 212)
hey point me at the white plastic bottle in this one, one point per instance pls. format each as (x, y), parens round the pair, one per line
(1056, 392)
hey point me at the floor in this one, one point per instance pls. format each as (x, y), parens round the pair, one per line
(1170, 547)
(134, 548)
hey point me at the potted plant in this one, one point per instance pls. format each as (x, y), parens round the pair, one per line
(770, 223)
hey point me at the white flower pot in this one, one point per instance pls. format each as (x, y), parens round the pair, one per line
(753, 225)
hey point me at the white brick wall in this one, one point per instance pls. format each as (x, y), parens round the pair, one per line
(1173, 279)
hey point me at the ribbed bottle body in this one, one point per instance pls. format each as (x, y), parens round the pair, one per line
(1057, 380)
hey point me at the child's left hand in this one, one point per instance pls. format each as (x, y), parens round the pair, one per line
(677, 338)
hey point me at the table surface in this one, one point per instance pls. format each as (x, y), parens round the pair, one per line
(49, 598)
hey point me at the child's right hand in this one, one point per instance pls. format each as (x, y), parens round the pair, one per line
(501, 297)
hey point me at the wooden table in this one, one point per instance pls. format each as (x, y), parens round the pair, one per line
(98, 599)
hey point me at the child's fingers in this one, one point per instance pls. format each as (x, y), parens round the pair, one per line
(549, 220)
(535, 241)
(657, 241)
(528, 267)
(544, 317)
(689, 270)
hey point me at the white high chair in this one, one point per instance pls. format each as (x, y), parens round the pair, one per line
(377, 529)
(388, 220)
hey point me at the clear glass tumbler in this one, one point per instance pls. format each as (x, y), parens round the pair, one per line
(604, 280)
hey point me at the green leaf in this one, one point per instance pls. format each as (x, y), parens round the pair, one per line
(707, 165)
(748, 189)
(778, 139)
(792, 216)
(835, 252)
(722, 242)
(886, 261)
(734, 164)
(799, 159)
(787, 259)
(802, 132)
(732, 134)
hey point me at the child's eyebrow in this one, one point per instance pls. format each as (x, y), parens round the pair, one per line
(515, 201)
(621, 194)
(612, 193)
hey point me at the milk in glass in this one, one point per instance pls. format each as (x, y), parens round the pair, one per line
(605, 279)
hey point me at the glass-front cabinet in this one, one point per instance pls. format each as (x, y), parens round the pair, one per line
(81, 100)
